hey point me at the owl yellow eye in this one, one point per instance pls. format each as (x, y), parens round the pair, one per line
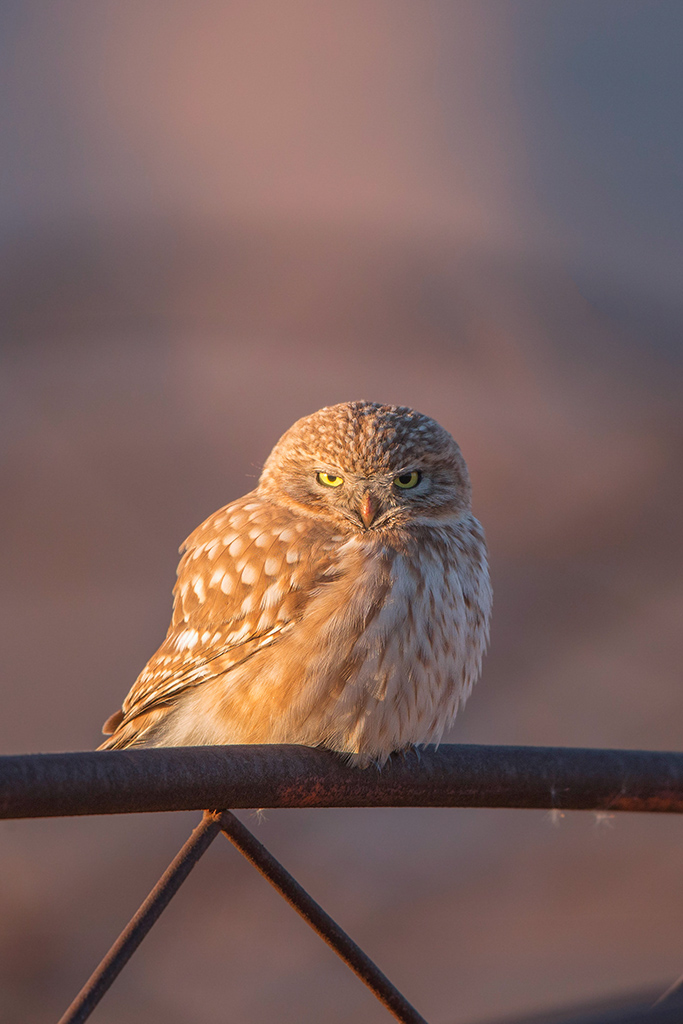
(407, 480)
(330, 480)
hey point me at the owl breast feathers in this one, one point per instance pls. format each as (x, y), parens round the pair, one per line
(344, 603)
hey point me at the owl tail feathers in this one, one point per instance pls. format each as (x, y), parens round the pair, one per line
(132, 732)
(118, 740)
(112, 723)
(109, 730)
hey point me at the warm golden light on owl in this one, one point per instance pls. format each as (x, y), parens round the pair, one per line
(353, 617)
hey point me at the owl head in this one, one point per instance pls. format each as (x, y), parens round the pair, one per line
(366, 466)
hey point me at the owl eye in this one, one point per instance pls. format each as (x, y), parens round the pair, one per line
(407, 480)
(330, 480)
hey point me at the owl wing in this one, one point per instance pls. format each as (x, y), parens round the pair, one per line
(244, 579)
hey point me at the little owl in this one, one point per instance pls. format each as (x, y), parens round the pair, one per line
(344, 603)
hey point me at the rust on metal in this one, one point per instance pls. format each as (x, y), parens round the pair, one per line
(664, 803)
(320, 921)
(192, 778)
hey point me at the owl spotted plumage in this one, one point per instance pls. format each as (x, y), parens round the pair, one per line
(343, 603)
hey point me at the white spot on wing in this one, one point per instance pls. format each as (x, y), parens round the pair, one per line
(186, 640)
(249, 574)
(236, 548)
(239, 634)
(264, 622)
(272, 596)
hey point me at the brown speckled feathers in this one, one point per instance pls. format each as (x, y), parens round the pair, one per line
(344, 602)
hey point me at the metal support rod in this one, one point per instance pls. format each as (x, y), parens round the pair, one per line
(192, 778)
(671, 1013)
(320, 921)
(673, 992)
(132, 935)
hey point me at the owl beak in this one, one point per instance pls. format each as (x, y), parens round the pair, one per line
(368, 508)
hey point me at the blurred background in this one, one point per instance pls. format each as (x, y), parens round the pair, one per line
(217, 217)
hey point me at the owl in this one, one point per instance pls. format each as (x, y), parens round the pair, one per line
(343, 603)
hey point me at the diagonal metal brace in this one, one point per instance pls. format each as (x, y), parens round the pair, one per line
(321, 922)
(132, 935)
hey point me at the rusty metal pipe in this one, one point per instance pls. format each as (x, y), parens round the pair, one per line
(192, 778)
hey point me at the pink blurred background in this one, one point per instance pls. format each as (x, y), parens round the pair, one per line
(218, 217)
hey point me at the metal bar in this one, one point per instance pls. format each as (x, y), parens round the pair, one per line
(674, 993)
(669, 1014)
(192, 778)
(320, 921)
(132, 935)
